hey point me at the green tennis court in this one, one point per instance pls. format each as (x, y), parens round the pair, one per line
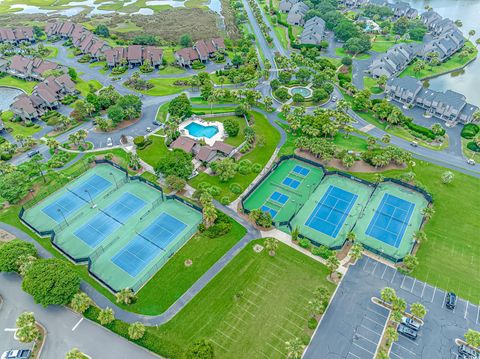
(125, 227)
(285, 190)
(332, 210)
(390, 219)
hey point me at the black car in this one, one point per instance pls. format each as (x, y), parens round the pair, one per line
(156, 123)
(33, 153)
(406, 331)
(451, 300)
(467, 352)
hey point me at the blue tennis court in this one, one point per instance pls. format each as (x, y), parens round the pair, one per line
(97, 229)
(94, 185)
(279, 197)
(163, 230)
(267, 209)
(135, 256)
(390, 220)
(332, 210)
(290, 182)
(125, 207)
(64, 206)
(302, 171)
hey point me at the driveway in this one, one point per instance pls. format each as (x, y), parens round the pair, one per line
(65, 329)
(350, 328)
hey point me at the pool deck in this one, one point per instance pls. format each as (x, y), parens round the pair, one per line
(219, 136)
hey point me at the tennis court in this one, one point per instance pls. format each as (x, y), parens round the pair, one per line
(63, 207)
(332, 210)
(90, 188)
(285, 190)
(125, 207)
(97, 229)
(390, 220)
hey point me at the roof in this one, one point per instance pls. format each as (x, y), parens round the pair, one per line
(184, 143)
(407, 83)
(451, 98)
(66, 81)
(218, 43)
(152, 53)
(204, 153)
(187, 54)
(223, 147)
(24, 104)
(204, 48)
(134, 52)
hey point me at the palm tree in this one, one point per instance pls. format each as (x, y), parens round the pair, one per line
(209, 214)
(388, 294)
(24, 263)
(75, 354)
(356, 251)
(418, 310)
(295, 233)
(53, 144)
(316, 306)
(27, 330)
(332, 264)
(386, 138)
(428, 212)
(271, 245)
(419, 236)
(351, 236)
(471, 33)
(447, 177)
(126, 296)
(80, 302)
(371, 141)
(343, 105)
(136, 330)
(294, 348)
(391, 335)
(106, 316)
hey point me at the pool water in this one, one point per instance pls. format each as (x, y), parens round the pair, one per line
(305, 92)
(197, 130)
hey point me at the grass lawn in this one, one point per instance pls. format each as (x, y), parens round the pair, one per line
(53, 52)
(467, 152)
(163, 87)
(249, 310)
(258, 155)
(171, 70)
(455, 62)
(372, 85)
(449, 258)
(339, 51)
(26, 86)
(19, 129)
(238, 139)
(100, 65)
(84, 86)
(153, 152)
(126, 27)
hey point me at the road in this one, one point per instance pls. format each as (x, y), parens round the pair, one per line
(66, 329)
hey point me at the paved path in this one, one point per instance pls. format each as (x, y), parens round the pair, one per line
(66, 329)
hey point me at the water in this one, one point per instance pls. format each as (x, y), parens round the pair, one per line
(197, 130)
(305, 92)
(468, 11)
(172, 3)
(7, 95)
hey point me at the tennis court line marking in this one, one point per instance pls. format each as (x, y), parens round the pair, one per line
(76, 325)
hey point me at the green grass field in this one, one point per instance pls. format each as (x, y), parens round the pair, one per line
(372, 85)
(453, 63)
(84, 86)
(449, 258)
(249, 310)
(152, 153)
(26, 86)
(339, 51)
(257, 155)
(163, 87)
(20, 129)
(238, 139)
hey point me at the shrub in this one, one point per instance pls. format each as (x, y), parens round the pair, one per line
(257, 167)
(235, 188)
(297, 98)
(322, 251)
(221, 226)
(469, 131)
(225, 200)
(472, 146)
(12, 251)
(304, 243)
(421, 130)
(6, 156)
(312, 323)
(282, 94)
(231, 127)
(261, 218)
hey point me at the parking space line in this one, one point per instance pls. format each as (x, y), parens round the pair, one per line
(401, 285)
(411, 341)
(368, 340)
(370, 319)
(394, 273)
(380, 314)
(466, 311)
(478, 313)
(365, 265)
(398, 356)
(368, 351)
(356, 356)
(408, 350)
(76, 325)
(384, 271)
(370, 330)
(413, 285)
(423, 290)
(375, 267)
(434, 291)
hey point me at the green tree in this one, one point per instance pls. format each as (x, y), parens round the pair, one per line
(27, 330)
(102, 30)
(391, 335)
(24, 263)
(388, 294)
(14, 186)
(428, 212)
(201, 349)
(419, 66)
(180, 107)
(185, 40)
(51, 281)
(136, 330)
(361, 100)
(80, 302)
(231, 127)
(332, 264)
(175, 183)
(106, 316)
(72, 73)
(75, 354)
(12, 251)
(410, 262)
(178, 163)
(209, 214)
(126, 296)
(386, 138)
(356, 251)
(472, 337)
(116, 114)
(271, 245)
(420, 236)
(418, 310)
(294, 348)
(225, 169)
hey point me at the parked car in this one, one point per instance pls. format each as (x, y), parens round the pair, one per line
(407, 331)
(109, 142)
(414, 144)
(409, 322)
(334, 99)
(471, 161)
(149, 129)
(451, 300)
(33, 153)
(467, 352)
(156, 123)
(17, 354)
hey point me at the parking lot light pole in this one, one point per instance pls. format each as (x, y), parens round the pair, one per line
(63, 215)
(116, 184)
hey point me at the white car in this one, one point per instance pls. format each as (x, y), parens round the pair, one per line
(471, 161)
(109, 142)
(17, 354)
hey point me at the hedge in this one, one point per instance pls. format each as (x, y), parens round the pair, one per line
(469, 131)
(472, 146)
(420, 129)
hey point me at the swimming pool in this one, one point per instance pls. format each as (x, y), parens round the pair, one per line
(197, 130)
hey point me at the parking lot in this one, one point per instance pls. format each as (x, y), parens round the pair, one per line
(352, 326)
